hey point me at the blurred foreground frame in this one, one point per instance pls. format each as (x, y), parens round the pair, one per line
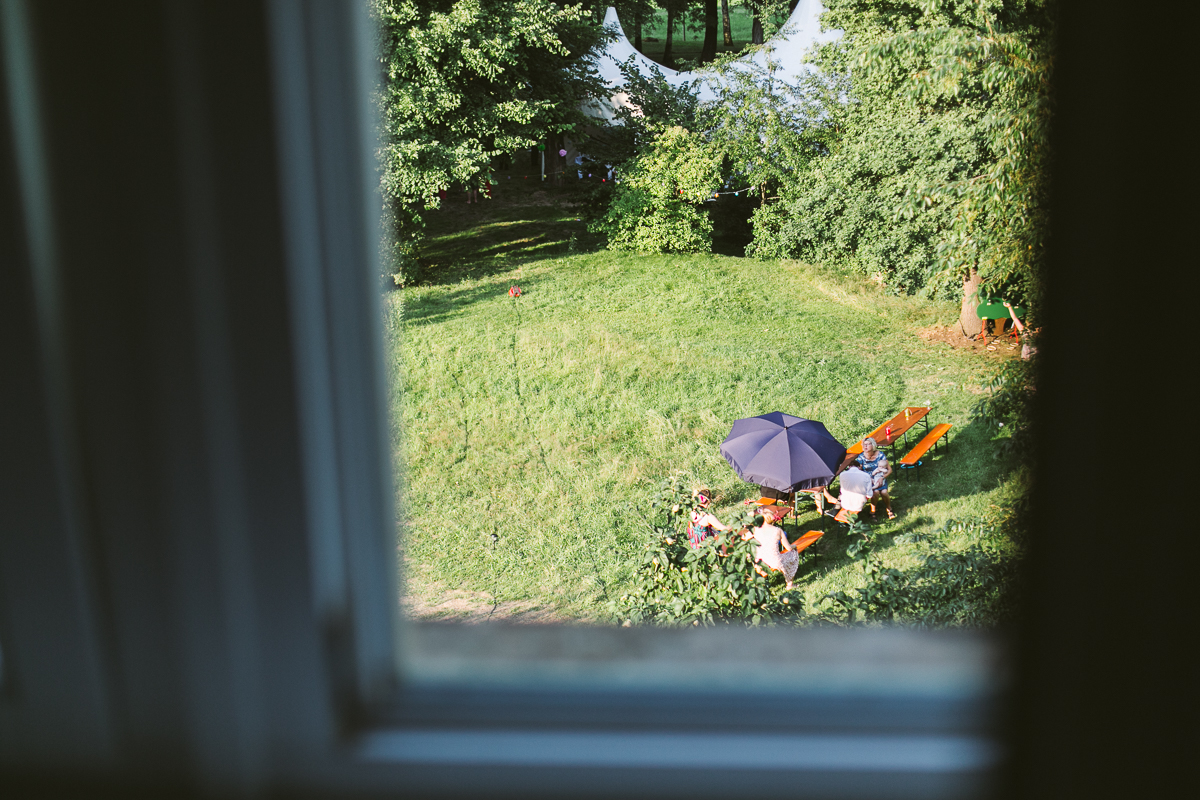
(197, 563)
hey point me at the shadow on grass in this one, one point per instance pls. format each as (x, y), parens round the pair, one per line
(452, 303)
(972, 451)
(521, 225)
(501, 245)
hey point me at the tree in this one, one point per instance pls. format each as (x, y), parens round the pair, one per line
(667, 170)
(633, 15)
(658, 205)
(768, 16)
(935, 171)
(674, 9)
(709, 52)
(465, 81)
(770, 131)
(756, 27)
(999, 214)
(653, 105)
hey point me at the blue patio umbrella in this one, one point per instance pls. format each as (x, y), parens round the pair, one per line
(783, 452)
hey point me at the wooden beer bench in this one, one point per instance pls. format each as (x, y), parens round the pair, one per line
(912, 459)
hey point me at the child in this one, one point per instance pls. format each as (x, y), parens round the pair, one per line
(879, 476)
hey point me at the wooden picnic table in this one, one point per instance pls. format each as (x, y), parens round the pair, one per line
(790, 502)
(900, 425)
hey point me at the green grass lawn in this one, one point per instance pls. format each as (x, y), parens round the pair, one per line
(547, 422)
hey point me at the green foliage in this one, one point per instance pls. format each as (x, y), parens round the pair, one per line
(841, 211)
(759, 133)
(466, 81)
(678, 585)
(652, 105)
(474, 79)
(937, 153)
(1009, 402)
(882, 594)
(972, 587)
(402, 231)
(657, 205)
(1000, 54)
(769, 130)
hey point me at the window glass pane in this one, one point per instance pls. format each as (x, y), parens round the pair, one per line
(560, 396)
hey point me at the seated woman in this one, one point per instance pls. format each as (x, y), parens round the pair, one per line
(875, 463)
(771, 539)
(702, 524)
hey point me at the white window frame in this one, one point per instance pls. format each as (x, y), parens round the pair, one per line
(197, 575)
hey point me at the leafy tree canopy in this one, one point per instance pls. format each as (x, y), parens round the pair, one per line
(468, 80)
(938, 158)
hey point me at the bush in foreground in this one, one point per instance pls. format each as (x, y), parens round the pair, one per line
(678, 585)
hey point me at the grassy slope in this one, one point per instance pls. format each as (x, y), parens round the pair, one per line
(549, 420)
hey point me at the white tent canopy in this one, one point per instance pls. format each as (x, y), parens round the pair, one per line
(801, 31)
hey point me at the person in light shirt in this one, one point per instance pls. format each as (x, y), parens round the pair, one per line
(856, 489)
(873, 461)
(771, 541)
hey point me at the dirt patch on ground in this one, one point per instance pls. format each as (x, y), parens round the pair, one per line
(433, 603)
(475, 608)
(1000, 347)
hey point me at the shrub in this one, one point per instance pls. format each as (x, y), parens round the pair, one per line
(972, 587)
(656, 206)
(1010, 402)
(678, 585)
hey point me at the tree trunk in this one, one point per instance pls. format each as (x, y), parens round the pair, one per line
(637, 35)
(710, 32)
(968, 320)
(756, 30)
(668, 56)
(725, 20)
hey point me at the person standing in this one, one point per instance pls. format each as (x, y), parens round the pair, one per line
(1028, 350)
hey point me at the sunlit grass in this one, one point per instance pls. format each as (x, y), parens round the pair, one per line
(548, 421)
